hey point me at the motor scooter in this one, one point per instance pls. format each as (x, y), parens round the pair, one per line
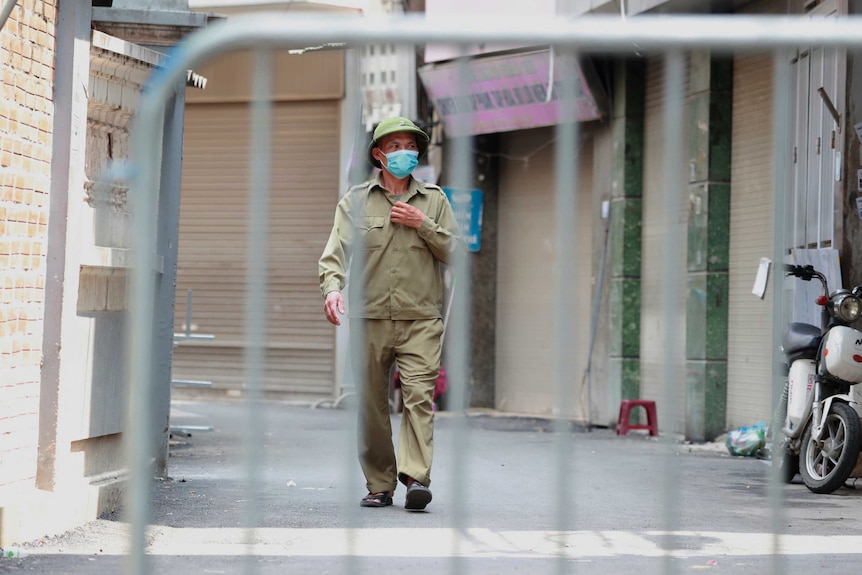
(816, 428)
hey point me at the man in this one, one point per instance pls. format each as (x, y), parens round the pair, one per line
(405, 230)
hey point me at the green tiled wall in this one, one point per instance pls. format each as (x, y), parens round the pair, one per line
(706, 333)
(626, 230)
(706, 385)
(710, 124)
(709, 227)
(625, 317)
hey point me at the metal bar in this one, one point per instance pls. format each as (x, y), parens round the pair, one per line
(143, 192)
(7, 11)
(459, 159)
(178, 337)
(672, 299)
(167, 240)
(594, 33)
(566, 158)
(260, 168)
(566, 173)
(782, 141)
(188, 429)
(191, 383)
(354, 373)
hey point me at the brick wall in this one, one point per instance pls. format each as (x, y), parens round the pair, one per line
(26, 118)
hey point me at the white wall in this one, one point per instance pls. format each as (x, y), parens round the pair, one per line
(480, 9)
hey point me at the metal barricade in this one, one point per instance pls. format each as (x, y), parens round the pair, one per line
(265, 34)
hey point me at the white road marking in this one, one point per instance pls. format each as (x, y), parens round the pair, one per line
(487, 543)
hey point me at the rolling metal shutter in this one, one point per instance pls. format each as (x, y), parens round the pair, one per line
(300, 342)
(526, 278)
(749, 345)
(654, 336)
(751, 224)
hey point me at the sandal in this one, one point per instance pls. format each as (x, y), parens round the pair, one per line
(382, 499)
(418, 496)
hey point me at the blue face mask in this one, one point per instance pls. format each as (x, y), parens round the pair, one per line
(401, 162)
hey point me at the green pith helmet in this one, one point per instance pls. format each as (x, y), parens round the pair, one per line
(393, 125)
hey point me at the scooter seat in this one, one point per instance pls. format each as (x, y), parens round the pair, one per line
(801, 340)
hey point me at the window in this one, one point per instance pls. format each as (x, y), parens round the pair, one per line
(392, 76)
(371, 50)
(383, 77)
(371, 79)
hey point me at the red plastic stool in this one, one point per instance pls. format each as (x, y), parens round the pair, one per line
(626, 406)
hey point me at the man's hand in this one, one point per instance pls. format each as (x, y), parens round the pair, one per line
(333, 306)
(407, 215)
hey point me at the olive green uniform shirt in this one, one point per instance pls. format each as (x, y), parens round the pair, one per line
(398, 273)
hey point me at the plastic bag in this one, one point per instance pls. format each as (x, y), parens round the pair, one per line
(747, 440)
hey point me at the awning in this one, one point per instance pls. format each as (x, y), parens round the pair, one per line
(513, 92)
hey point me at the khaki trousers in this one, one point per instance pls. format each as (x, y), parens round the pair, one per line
(415, 345)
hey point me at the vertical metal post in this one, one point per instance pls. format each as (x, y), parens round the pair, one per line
(260, 168)
(460, 160)
(167, 238)
(566, 173)
(672, 300)
(354, 359)
(782, 142)
(138, 435)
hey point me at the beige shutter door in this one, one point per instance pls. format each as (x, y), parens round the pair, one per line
(212, 248)
(751, 224)
(527, 279)
(655, 337)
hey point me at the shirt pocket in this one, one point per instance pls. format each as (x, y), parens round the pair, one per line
(370, 231)
(429, 208)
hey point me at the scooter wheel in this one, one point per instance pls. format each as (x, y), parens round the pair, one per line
(826, 464)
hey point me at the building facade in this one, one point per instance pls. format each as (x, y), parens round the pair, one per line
(72, 78)
(721, 342)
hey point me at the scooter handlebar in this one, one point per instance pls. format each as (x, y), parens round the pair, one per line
(805, 273)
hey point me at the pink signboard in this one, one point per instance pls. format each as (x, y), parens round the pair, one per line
(505, 93)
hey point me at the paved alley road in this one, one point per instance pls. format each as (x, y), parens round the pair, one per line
(498, 506)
